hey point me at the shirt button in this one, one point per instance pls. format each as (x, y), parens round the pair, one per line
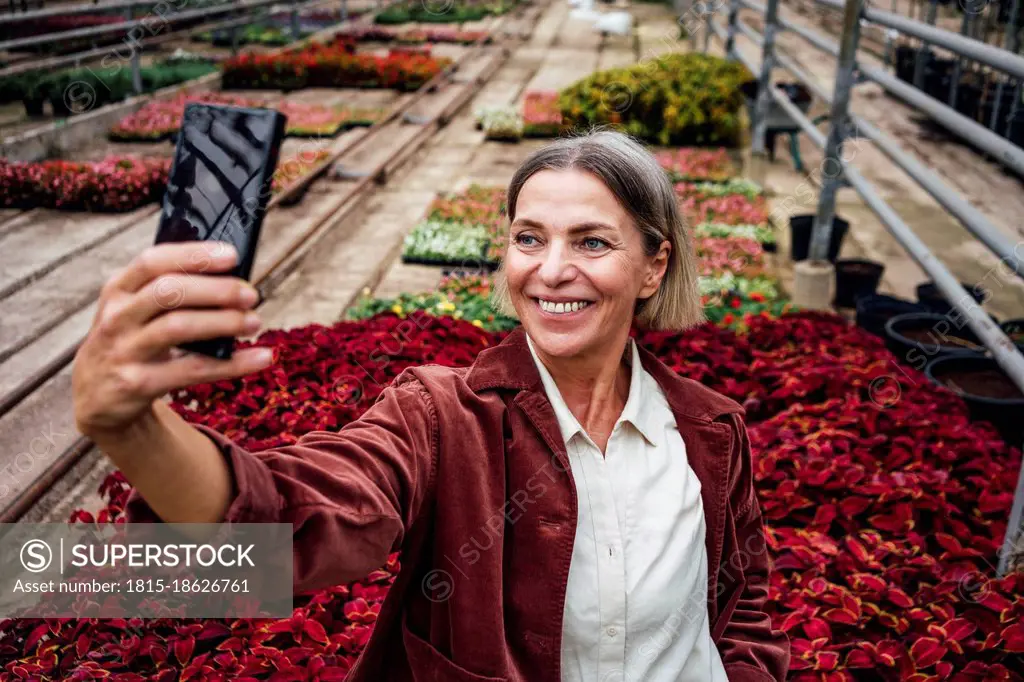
(612, 632)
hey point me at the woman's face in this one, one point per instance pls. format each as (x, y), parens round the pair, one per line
(575, 264)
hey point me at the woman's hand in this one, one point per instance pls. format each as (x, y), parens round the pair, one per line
(168, 295)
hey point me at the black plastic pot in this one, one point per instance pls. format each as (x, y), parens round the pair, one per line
(800, 227)
(968, 98)
(856, 278)
(905, 59)
(60, 106)
(989, 393)
(33, 106)
(874, 310)
(929, 296)
(795, 92)
(987, 105)
(917, 338)
(1016, 132)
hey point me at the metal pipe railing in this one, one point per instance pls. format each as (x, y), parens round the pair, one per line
(821, 42)
(999, 147)
(971, 218)
(171, 18)
(752, 35)
(1002, 149)
(84, 8)
(954, 42)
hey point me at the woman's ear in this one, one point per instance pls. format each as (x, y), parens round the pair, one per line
(655, 270)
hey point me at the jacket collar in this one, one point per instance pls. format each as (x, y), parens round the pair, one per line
(640, 409)
(510, 365)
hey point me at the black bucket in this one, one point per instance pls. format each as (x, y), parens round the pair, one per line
(856, 278)
(916, 338)
(874, 310)
(989, 393)
(800, 227)
(930, 297)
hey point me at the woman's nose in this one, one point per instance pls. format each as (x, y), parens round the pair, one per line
(556, 267)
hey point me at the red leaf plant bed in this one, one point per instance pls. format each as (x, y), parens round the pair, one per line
(117, 183)
(159, 120)
(329, 66)
(883, 522)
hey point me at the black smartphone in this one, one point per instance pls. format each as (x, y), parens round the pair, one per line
(219, 187)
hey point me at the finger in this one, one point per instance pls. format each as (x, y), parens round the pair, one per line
(180, 326)
(183, 257)
(179, 291)
(192, 369)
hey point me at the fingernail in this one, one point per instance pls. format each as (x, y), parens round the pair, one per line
(225, 251)
(251, 322)
(249, 296)
(264, 357)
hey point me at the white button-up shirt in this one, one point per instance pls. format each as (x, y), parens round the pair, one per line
(636, 599)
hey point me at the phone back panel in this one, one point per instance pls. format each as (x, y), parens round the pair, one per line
(221, 176)
(220, 184)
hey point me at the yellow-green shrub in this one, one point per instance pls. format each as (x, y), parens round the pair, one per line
(675, 99)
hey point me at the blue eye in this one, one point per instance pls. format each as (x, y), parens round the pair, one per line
(520, 237)
(593, 243)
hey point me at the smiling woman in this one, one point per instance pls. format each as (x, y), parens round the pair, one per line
(568, 508)
(595, 229)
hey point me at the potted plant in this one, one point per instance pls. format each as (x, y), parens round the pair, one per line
(34, 94)
(916, 338)
(875, 310)
(930, 297)
(989, 393)
(800, 227)
(856, 278)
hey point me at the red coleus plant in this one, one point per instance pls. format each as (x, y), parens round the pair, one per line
(882, 521)
(117, 183)
(731, 209)
(697, 164)
(160, 119)
(330, 65)
(542, 117)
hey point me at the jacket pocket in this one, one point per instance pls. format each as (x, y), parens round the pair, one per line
(430, 665)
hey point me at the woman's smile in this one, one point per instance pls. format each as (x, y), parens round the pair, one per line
(563, 309)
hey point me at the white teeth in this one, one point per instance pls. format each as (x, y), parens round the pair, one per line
(561, 308)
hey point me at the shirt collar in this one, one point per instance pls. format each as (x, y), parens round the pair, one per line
(641, 409)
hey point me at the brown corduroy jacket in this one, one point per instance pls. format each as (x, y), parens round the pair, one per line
(465, 471)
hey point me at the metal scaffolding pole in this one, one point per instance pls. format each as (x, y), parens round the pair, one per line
(764, 97)
(821, 235)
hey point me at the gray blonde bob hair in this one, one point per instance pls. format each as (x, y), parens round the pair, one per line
(643, 189)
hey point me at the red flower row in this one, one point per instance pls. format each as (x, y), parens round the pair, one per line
(114, 184)
(118, 183)
(331, 65)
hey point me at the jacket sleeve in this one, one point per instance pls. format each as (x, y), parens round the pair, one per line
(350, 495)
(751, 650)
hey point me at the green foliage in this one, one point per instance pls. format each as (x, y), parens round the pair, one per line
(442, 241)
(759, 233)
(464, 298)
(747, 188)
(676, 99)
(437, 12)
(85, 89)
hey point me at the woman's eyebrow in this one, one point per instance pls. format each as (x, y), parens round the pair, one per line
(588, 226)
